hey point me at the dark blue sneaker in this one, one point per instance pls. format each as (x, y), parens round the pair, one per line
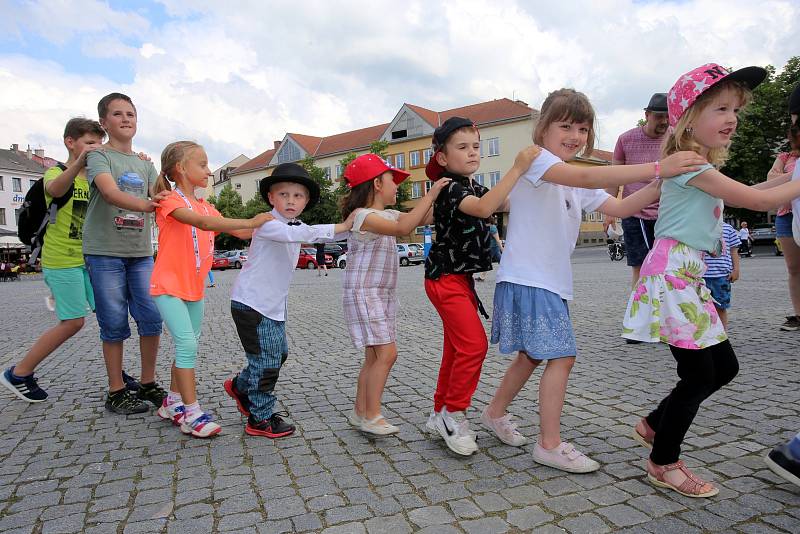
(131, 384)
(783, 463)
(25, 387)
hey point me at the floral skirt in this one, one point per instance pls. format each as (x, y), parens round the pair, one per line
(671, 302)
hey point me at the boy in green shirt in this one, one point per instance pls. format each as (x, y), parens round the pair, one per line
(62, 258)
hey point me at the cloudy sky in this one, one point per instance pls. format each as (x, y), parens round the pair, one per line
(237, 75)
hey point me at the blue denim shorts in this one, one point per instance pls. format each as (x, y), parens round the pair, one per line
(783, 225)
(122, 285)
(720, 288)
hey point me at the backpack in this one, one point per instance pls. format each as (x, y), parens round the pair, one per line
(35, 214)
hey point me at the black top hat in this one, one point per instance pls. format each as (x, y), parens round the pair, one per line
(658, 103)
(290, 172)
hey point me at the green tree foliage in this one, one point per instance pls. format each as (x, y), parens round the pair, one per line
(327, 210)
(254, 206)
(229, 204)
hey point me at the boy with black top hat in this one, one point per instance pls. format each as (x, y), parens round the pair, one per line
(462, 248)
(259, 296)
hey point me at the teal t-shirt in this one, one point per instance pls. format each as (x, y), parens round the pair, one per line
(109, 230)
(688, 214)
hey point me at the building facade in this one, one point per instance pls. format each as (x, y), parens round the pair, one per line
(18, 172)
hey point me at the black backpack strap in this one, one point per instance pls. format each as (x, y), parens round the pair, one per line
(52, 209)
(63, 199)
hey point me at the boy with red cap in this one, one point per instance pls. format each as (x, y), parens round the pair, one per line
(370, 280)
(462, 248)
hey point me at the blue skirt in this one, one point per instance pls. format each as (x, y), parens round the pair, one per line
(532, 320)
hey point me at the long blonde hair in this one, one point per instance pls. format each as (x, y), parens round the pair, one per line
(172, 155)
(682, 136)
(565, 105)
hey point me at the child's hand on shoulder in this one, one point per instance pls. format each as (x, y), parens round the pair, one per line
(143, 156)
(525, 157)
(86, 149)
(260, 219)
(437, 187)
(681, 163)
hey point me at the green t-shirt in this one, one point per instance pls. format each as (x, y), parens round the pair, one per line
(62, 242)
(109, 230)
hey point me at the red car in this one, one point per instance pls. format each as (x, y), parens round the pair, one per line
(308, 259)
(220, 262)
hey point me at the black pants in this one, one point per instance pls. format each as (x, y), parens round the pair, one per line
(701, 372)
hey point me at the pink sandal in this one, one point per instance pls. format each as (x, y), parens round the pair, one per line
(644, 439)
(690, 487)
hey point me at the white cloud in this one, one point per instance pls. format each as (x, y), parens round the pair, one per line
(235, 79)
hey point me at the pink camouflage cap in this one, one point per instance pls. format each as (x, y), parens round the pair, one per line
(697, 81)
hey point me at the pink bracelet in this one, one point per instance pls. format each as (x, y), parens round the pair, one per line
(658, 170)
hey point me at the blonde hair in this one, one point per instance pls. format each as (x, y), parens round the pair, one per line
(682, 136)
(564, 105)
(171, 156)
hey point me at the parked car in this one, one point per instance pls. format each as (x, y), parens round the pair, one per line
(418, 246)
(761, 233)
(220, 262)
(308, 259)
(236, 258)
(409, 254)
(334, 249)
(341, 261)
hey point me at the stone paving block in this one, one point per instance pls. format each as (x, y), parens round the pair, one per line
(307, 522)
(488, 525)
(394, 524)
(191, 525)
(347, 513)
(430, 515)
(523, 495)
(348, 528)
(584, 524)
(655, 505)
(527, 518)
(567, 504)
(623, 515)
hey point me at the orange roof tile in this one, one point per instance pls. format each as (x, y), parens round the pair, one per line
(259, 162)
(309, 143)
(487, 112)
(431, 117)
(347, 141)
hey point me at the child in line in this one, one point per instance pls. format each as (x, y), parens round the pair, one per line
(260, 294)
(368, 289)
(671, 303)
(722, 271)
(119, 253)
(62, 258)
(460, 250)
(186, 229)
(534, 281)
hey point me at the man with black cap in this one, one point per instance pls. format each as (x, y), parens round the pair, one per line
(259, 296)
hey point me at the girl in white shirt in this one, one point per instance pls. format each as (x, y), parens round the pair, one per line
(534, 281)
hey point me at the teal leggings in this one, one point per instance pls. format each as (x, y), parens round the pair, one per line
(183, 319)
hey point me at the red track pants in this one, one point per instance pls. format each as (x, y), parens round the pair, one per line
(465, 343)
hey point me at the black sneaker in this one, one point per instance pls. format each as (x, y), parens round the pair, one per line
(124, 402)
(792, 323)
(633, 341)
(25, 387)
(131, 384)
(274, 427)
(781, 461)
(152, 393)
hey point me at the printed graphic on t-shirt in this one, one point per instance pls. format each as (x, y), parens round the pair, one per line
(80, 202)
(131, 183)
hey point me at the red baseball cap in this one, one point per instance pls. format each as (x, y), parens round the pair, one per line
(368, 167)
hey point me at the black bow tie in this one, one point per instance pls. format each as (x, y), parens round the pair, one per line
(293, 223)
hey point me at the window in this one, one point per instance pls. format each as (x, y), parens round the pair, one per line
(2, 187)
(427, 154)
(238, 186)
(3, 216)
(428, 185)
(493, 146)
(479, 178)
(328, 173)
(30, 183)
(16, 185)
(416, 189)
(338, 171)
(494, 177)
(419, 230)
(388, 161)
(413, 158)
(400, 160)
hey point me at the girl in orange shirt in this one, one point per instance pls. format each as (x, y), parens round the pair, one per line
(186, 229)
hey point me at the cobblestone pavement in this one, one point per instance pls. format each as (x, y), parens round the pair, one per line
(69, 466)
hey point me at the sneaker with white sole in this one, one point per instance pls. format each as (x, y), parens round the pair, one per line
(430, 424)
(378, 426)
(354, 419)
(564, 457)
(504, 429)
(456, 434)
(202, 427)
(172, 412)
(24, 387)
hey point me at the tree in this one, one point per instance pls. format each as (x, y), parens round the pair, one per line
(379, 148)
(327, 210)
(255, 206)
(229, 204)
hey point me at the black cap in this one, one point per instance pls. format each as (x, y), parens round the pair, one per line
(794, 101)
(290, 172)
(433, 170)
(658, 103)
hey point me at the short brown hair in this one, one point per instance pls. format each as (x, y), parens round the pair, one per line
(77, 127)
(102, 106)
(566, 105)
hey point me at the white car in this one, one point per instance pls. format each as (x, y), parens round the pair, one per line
(341, 261)
(409, 254)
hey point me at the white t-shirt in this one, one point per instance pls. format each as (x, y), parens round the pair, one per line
(744, 234)
(543, 226)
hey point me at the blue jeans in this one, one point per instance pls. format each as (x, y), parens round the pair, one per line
(264, 342)
(122, 285)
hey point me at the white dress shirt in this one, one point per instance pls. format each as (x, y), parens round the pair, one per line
(263, 282)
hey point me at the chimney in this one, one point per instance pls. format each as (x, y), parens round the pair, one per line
(15, 147)
(276, 144)
(39, 153)
(29, 152)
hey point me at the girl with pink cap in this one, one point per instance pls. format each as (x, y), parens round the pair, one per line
(671, 303)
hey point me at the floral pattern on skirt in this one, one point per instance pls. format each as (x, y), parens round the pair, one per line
(671, 302)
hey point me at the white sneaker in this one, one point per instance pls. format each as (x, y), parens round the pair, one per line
(50, 302)
(504, 429)
(378, 426)
(566, 458)
(456, 434)
(431, 423)
(354, 419)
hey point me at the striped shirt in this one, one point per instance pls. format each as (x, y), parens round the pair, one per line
(719, 266)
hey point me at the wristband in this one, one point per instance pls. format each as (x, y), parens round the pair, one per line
(658, 170)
